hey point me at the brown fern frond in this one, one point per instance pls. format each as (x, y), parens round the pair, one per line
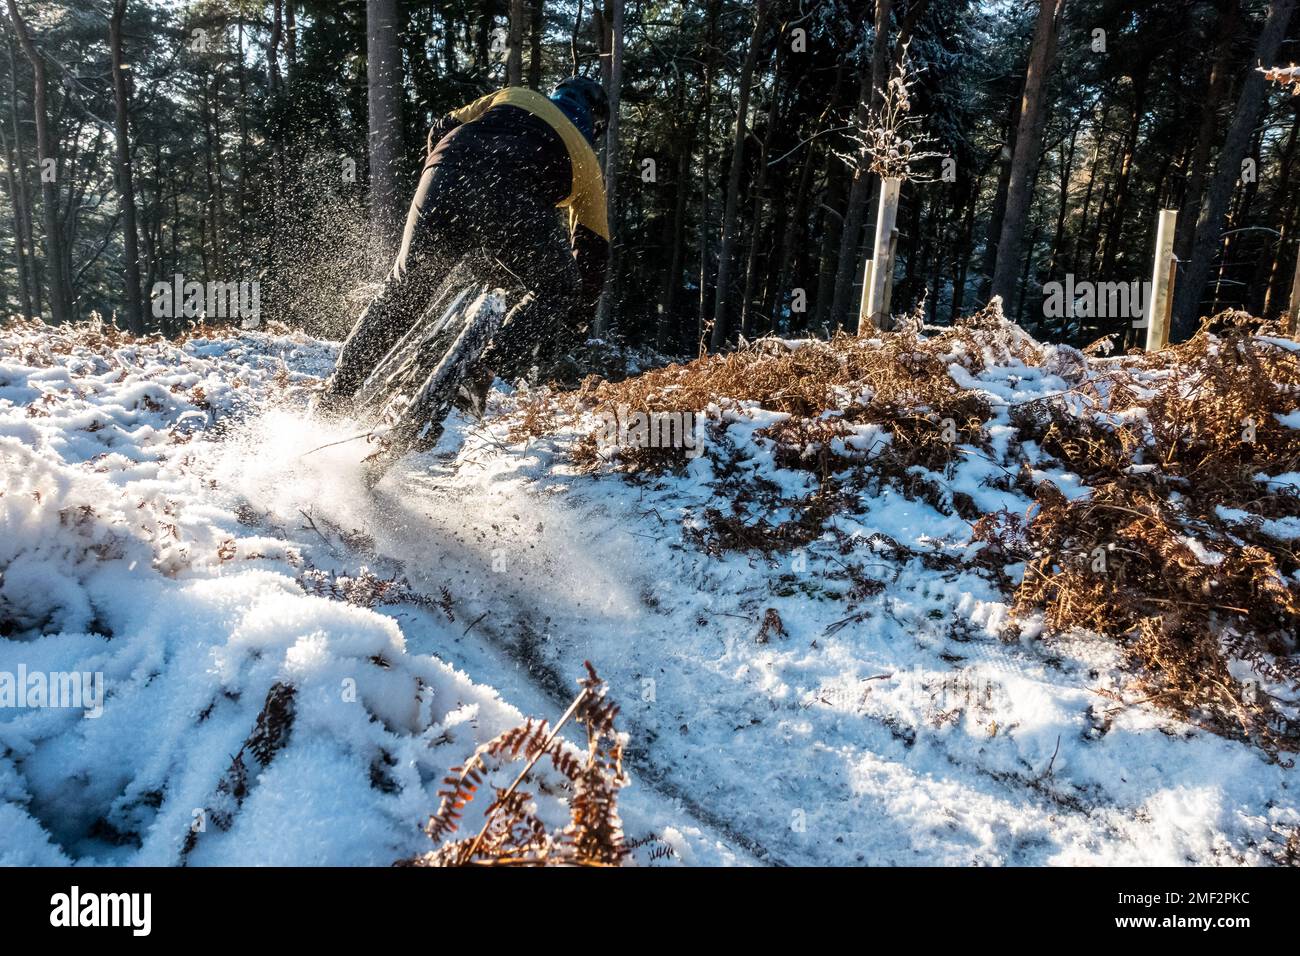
(512, 834)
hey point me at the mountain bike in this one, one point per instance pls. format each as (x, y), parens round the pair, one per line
(410, 391)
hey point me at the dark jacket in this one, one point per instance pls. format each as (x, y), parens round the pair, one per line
(519, 139)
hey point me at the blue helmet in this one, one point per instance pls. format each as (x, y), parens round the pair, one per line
(584, 102)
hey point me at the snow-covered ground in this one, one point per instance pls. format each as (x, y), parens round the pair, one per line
(170, 520)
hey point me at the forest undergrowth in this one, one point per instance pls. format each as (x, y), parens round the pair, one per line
(1180, 548)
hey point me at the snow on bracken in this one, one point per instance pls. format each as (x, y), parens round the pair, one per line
(173, 520)
(121, 557)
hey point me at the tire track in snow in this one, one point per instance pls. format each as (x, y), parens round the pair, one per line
(547, 678)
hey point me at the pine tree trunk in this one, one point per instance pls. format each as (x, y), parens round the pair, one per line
(1087, 201)
(999, 211)
(677, 259)
(384, 84)
(273, 43)
(291, 37)
(1237, 218)
(20, 242)
(26, 193)
(212, 239)
(241, 190)
(56, 269)
(1227, 170)
(835, 198)
(613, 86)
(448, 42)
(1119, 212)
(536, 25)
(515, 45)
(797, 221)
(1063, 208)
(1229, 23)
(710, 67)
(1275, 292)
(482, 39)
(1277, 212)
(1024, 161)
(125, 177)
(728, 237)
(24, 241)
(760, 185)
(1103, 205)
(965, 246)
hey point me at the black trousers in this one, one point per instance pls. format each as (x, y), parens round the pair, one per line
(461, 210)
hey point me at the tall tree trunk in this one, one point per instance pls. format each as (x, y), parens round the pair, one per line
(448, 42)
(828, 261)
(219, 165)
(1063, 208)
(150, 229)
(681, 192)
(384, 84)
(24, 244)
(965, 245)
(999, 211)
(1120, 209)
(613, 71)
(728, 237)
(1226, 29)
(273, 43)
(515, 45)
(1019, 312)
(796, 223)
(1098, 135)
(1104, 202)
(710, 68)
(291, 37)
(1187, 295)
(213, 217)
(125, 175)
(667, 326)
(241, 190)
(918, 249)
(1282, 265)
(536, 26)
(483, 36)
(21, 263)
(1238, 217)
(760, 185)
(166, 327)
(57, 274)
(25, 192)
(1029, 135)
(1277, 213)
(941, 221)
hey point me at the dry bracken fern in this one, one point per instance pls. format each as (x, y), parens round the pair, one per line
(1171, 554)
(511, 834)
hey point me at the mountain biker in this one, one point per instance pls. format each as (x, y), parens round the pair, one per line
(497, 170)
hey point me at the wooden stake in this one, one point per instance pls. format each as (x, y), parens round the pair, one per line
(886, 316)
(866, 294)
(1160, 304)
(877, 294)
